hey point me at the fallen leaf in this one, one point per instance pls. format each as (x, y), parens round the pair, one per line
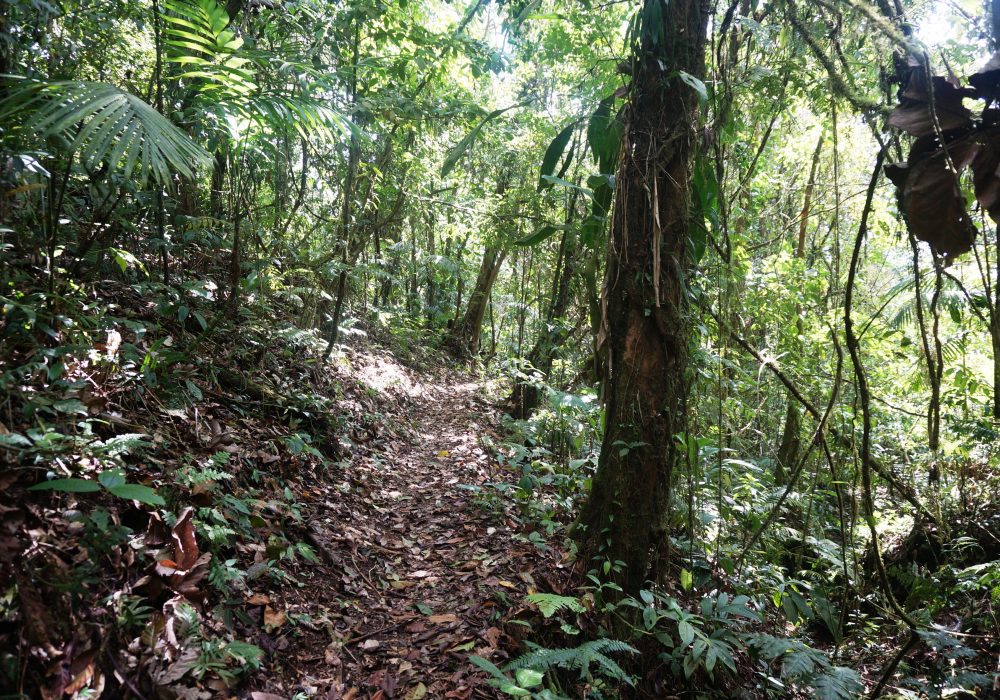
(442, 619)
(258, 599)
(258, 695)
(371, 645)
(273, 618)
(416, 692)
(492, 636)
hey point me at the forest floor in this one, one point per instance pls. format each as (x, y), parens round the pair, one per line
(421, 567)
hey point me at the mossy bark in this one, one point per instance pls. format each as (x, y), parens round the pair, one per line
(645, 383)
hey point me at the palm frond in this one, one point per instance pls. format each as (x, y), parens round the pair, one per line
(104, 124)
(199, 39)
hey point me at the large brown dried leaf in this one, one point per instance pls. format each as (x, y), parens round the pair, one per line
(188, 567)
(986, 176)
(185, 544)
(987, 80)
(932, 198)
(914, 115)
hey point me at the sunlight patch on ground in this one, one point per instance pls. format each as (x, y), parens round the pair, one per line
(383, 375)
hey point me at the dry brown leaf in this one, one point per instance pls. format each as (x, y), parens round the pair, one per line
(331, 655)
(258, 599)
(274, 618)
(83, 670)
(442, 619)
(492, 636)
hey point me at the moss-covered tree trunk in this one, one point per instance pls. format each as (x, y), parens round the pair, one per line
(626, 516)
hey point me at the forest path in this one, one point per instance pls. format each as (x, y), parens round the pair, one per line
(420, 567)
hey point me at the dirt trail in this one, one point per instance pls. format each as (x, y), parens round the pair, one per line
(419, 570)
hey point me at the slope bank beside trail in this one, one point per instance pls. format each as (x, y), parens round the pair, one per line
(242, 522)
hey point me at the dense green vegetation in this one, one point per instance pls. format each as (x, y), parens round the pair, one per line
(731, 272)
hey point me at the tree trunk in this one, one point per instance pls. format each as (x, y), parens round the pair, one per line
(464, 338)
(626, 516)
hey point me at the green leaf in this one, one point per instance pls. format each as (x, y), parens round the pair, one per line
(514, 691)
(67, 486)
(649, 618)
(697, 85)
(538, 236)
(456, 152)
(70, 406)
(138, 492)
(687, 579)
(487, 666)
(604, 134)
(552, 155)
(686, 632)
(528, 677)
(837, 683)
(111, 479)
(104, 124)
(550, 603)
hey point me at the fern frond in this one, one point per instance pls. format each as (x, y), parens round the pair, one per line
(550, 603)
(578, 658)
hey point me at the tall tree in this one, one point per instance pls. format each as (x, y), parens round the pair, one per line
(645, 386)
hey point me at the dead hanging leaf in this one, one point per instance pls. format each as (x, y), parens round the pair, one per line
(157, 533)
(914, 114)
(929, 182)
(986, 176)
(932, 197)
(186, 570)
(986, 80)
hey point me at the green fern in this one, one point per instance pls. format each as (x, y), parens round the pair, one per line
(126, 443)
(578, 658)
(802, 664)
(798, 660)
(550, 603)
